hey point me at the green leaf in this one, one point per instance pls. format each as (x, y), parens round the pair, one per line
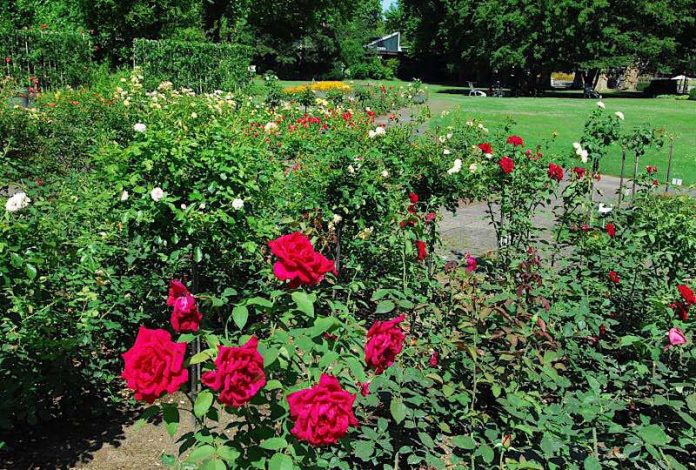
(426, 440)
(486, 452)
(550, 445)
(203, 402)
(323, 324)
(147, 414)
(240, 315)
(653, 434)
(280, 462)
(398, 410)
(464, 442)
(385, 306)
(31, 271)
(214, 465)
(201, 453)
(592, 463)
(691, 402)
(197, 254)
(168, 460)
(305, 303)
(274, 443)
(170, 414)
(201, 356)
(364, 449)
(228, 454)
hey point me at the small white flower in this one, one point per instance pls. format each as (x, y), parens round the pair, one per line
(17, 202)
(604, 209)
(469, 123)
(124, 196)
(126, 103)
(270, 127)
(351, 170)
(577, 146)
(140, 127)
(601, 105)
(449, 136)
(157, 194)
(473, 168)
(337, 219)
(488, 155)
(377, 132)
(238, 204)
(583, 156)
(442, 139)
(446, 152)
(194, 115)
(619, 115)
(183, 207)
(252, 69)
(201, 206)
(456, 167)
(365, 233)
(385, 174)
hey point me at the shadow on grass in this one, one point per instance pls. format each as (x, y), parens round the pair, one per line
(574, 94)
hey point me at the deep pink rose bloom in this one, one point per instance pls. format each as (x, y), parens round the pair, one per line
(515, 140)
(486, 147)
(238, 374)
(611, 229)
(676, 337)
(185, 316)
(298, 262)
(430, 217)
(422, 250)
(323, 413)
(471, 264)
(507, 165)
(434, 359)
(365, 389)
(413, 197)
(687, 294)
(614, 277)
(555, 172)
(385, 340)
(154, 365)
(579, 172)
(651, 169)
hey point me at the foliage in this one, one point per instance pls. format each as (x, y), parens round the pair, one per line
(43, 59)
(196, 65)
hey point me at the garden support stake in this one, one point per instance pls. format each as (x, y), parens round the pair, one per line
(635, 177)
(623, 169)
(669, 163)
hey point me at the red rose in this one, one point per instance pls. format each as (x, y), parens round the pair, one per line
(602, 330)
(430, 216)
(434, 359)
(611, 229)
(412, 209)
(8, 60)
(413, 197)
(486, 147)
(555, 172)
(384, 342)
(515, 140)
(154, 365)
(507, 165)
(238, 374)
(614, 277)
(681, 309)
(585, 228)
(687, 294)
(347, 116)
(185, 316)
(579, 172)
(422, 250)
(323, 413)
(298, 262)
(651, 169)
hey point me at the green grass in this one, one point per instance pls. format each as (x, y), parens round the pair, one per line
(538, 118)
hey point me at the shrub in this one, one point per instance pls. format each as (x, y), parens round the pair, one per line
(201, 66)
(46, 59)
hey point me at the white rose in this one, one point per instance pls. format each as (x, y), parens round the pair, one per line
(17, 202)
(385, 174)
(237, 204)
(604, 209)
(469, 123)
(140, 127)
(473, 168)
(194, 115)
(577, 146)
(351, 170)
(449, 136)
(442, 139)
(124, 196)
(488, 155)
(601, 105)
(270, 127)
(337, 219)
(583, 156)
(157, 194)
(456, 167)
(619, 115)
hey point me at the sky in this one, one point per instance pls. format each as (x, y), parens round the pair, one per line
(387, 3)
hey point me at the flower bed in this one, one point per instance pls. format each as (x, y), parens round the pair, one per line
(280, 259)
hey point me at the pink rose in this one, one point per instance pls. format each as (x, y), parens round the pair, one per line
(323, 413)
(238, 374)
(676, 337)
(154, 365)
(298, 262)
(185, 316)
(434, 359)
(385, 340)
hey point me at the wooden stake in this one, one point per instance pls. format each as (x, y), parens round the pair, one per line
(669, 164)
(635, 177)
(623, 169)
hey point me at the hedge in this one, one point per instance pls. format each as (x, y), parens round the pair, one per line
(56, 59)
(201, 66)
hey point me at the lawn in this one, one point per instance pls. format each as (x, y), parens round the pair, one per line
(538, 118)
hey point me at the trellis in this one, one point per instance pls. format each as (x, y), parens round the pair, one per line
(55, 59)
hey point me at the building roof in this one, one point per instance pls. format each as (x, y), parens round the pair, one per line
(391, 43)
